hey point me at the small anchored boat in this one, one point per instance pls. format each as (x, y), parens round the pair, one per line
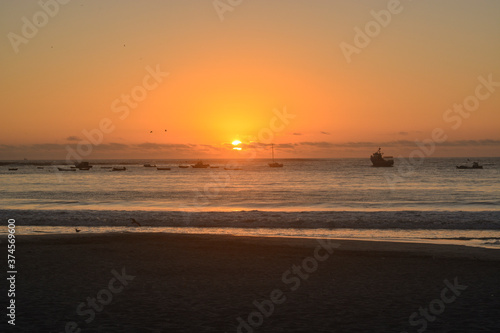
(162, 168)
(475, 165)
(200, 165)
(147, 165)
(183, 166)
(12, 169)
(119, 169)
(66, 169)
(83, 165)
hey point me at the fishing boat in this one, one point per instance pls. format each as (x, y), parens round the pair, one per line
(200, 165)
(147, 165)
(275, 164)
(83, 165)
(379, 160)
(118, 169)
(183, 166)
(162, 168)
(475, 165)
(39, 167)
(12, 169)
(66, 169)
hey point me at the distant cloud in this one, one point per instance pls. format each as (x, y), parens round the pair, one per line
(161, 146)
(400, 143)
(458, 143)
(105, 150)
(72, 138)
(116, 146)
(322, 144)
(297, 133)
(325, 133)
(285, 146)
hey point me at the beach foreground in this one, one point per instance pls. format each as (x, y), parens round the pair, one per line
(212, 283)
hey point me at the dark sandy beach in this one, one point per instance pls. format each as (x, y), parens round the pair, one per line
(206, 283)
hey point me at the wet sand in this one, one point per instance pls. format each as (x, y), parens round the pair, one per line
(213, 283)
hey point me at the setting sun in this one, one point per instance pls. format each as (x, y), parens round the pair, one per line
(236, 143)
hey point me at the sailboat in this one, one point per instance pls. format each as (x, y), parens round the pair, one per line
(275, 164)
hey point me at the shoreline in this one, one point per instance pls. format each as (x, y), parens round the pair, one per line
(486, 239)
(399, 247)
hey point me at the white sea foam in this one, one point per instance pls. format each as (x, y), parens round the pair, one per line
(432, 220)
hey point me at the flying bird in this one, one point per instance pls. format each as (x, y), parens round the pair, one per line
(150, 132)
(135, 222)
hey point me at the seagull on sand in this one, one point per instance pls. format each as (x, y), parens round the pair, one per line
(135, 222)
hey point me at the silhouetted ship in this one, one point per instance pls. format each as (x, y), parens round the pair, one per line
(147, 165)
(379, 161)
(83, 166)
(475, 165)
(275, 164)
(200, 165)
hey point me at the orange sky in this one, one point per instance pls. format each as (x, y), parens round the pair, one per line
(227, 79)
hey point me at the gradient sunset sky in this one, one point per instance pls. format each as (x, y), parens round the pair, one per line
(229, 78)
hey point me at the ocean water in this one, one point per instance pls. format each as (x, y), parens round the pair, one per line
(305, 194)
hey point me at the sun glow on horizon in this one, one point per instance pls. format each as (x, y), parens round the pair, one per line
(235, 143)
